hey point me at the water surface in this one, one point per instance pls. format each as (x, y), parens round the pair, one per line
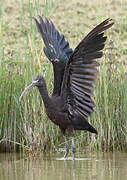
(95, 166)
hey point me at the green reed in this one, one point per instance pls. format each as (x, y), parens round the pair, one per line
(24, 125)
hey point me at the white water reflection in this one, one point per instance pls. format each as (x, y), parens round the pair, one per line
(71, 159)
(95, 166)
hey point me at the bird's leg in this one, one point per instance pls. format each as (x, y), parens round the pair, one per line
(67, 147)
(73, 148)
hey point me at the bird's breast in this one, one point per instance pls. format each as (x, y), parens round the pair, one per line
(59, 118)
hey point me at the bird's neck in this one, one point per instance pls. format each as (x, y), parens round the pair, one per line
(44, 94)
(58, 78)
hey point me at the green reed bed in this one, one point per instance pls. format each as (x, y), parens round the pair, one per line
(24, 125)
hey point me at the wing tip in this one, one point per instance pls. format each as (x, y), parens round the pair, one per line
(109, 22)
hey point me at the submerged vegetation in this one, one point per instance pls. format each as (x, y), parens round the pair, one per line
(24, 125)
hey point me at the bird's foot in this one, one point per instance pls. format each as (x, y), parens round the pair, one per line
(67, 148)
(73, 152)
(66, 152)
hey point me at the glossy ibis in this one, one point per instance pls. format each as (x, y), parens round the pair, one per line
(74, 75)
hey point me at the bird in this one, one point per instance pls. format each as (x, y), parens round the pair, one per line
(75, 73)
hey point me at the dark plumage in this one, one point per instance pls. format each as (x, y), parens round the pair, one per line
(74, 77)
(56, 49)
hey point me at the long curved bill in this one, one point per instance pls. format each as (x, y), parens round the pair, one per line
(27, 89)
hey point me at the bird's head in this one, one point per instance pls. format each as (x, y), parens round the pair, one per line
(38, 82)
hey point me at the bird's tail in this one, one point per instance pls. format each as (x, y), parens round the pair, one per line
(91, 129)
(82, 124)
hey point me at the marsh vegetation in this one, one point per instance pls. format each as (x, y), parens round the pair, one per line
(24, 125)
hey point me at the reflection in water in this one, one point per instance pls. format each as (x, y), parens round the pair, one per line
(101, 166)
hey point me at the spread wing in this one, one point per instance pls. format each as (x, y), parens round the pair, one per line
(56, 49)
(81, 70)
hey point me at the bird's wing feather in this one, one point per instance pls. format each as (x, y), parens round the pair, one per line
(81, 70)
(56, 49)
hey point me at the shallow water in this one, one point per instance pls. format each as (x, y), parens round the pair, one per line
(95, 166)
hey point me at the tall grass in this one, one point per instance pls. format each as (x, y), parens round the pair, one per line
(24, 124)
